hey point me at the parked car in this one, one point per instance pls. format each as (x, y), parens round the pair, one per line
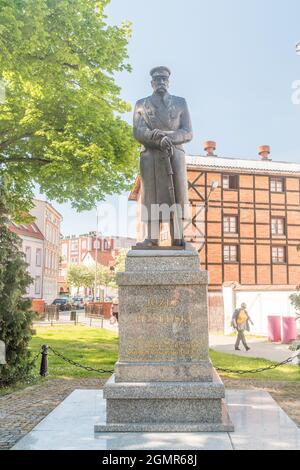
(63, 304)
(78, 302)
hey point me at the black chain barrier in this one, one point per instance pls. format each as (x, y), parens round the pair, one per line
(37, 356)
(44, 364)
(77, 364)
(259, 369)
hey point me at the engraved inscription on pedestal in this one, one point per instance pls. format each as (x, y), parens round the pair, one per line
(161, 328)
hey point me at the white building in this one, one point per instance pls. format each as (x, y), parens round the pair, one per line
(33, 248)
(48, 221)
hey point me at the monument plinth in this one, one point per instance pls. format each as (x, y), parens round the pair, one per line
(164, 380)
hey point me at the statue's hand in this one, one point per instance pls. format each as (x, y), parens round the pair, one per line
(158, 134)
(166, 144)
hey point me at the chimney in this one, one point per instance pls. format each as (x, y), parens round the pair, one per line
(210, 147)
(264, 152)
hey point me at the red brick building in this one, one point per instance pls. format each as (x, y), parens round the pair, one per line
(246, 230)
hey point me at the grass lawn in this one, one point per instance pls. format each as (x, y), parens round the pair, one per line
(231, 361)
(94, 347)
(98, 348)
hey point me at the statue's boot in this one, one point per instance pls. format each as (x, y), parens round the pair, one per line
(147, 243)
(178, 243)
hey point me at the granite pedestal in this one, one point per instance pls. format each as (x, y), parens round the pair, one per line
(164, 380)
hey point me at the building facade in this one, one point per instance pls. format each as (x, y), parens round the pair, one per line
(48, 220)
(246, 226)
(87, 249)
(33, 248)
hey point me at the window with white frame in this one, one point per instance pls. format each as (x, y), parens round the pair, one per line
(230, 224)
(230, 181)
(28, 254)
(37, 285)
(38, 257)
(230, 253)
(277, 184)
(278, 226)
(278, 254)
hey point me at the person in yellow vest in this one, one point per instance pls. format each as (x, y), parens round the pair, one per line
(240, 321)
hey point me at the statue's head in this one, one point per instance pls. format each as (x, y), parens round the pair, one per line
(160, 79)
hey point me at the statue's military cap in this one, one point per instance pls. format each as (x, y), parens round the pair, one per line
(160, 71)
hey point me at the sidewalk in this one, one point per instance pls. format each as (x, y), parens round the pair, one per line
(64, 319)
(259, 347)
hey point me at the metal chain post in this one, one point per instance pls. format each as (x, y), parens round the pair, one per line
(44, 361)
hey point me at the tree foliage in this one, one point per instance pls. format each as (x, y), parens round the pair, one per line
(15, 317)
(103, 275)
(84, 276)
(120, 261)
(60, 119)
(119, 267)
(79, 276)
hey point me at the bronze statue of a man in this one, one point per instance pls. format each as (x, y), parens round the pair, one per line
(162, 124)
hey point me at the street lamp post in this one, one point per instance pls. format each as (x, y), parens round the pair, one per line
(213, 187)
(96, 260)
(298, 48)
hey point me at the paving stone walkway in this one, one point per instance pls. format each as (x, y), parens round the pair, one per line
(21, 411)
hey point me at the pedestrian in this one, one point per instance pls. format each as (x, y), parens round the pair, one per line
(115, 311)
(240, 321)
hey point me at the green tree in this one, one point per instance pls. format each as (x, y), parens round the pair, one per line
(102, 275)
(120, 261)
(79, 276)
(86, 276)
(60, 118)
(119, 267)
(15, 317)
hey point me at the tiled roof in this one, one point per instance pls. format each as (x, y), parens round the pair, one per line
(27, 230)
(234, 164)
(242, 164)
(106, 258)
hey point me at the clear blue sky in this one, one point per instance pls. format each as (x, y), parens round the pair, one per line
(233, 60)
